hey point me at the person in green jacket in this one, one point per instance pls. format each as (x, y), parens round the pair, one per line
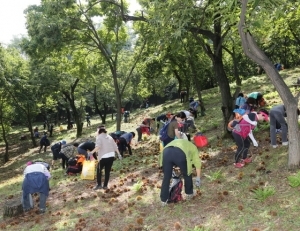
(183, 154)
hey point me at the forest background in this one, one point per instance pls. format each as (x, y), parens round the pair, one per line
(94, 57)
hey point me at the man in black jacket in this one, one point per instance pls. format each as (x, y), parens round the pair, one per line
(56, 148)
(85, 147)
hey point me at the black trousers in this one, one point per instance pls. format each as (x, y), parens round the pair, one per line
(41, 147)
(105, 163)
(64, 161)
(243, 147)
(122, 145)
(174, 156)
(139, 132)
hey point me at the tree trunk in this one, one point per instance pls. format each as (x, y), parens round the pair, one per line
(97, 109)
(118, 98)
(226, 98)
(237, 77)
(257, 55)
(216, 54)
(12, 208)
(31, 130)
(6, 156)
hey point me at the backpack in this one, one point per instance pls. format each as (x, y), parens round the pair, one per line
(175, 189)
(163, 133)
(116, 135)
(200, 140)
(47, 142)
(72, 161)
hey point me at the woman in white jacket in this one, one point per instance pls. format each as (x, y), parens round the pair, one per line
(106, 149)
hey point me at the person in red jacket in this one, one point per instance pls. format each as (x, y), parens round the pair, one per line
(241, 126)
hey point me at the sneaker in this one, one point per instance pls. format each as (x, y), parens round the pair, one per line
(278, 130)
(285, 143)
(247, 160)
(275, 146)
(105, 187)
(163, 204)
(42, 211)
(239, 165)
(189, 197)
(97, 187)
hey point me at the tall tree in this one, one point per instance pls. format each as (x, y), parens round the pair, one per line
(60, 23)
(252, 50)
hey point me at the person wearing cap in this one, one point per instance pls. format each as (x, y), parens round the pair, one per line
(183, 154)
(257, 96)
(36, 178)
(106, 148)
(56, 148)
(242, 127)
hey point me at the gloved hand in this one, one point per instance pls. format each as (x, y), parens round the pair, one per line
(120, 157)
(198, 182)
(255, 144)
(89, 154)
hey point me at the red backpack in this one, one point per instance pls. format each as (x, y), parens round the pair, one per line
(200, 140)
(175, 189)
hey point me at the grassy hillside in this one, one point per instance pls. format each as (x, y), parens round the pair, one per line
(257, 197)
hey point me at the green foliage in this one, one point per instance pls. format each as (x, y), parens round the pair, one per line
(214, 176)
(262, 194)
(137, 187)
(294, 181)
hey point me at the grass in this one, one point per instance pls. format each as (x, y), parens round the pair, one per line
(261, 196)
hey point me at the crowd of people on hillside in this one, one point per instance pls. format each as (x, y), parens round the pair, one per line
(174, 130)
(248, 111)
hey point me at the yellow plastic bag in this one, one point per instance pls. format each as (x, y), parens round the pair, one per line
(161, 146)
(88, 170)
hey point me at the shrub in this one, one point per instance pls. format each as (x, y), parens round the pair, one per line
(262, 194)
(294, 181)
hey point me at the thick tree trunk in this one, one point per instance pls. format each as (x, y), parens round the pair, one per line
(216, 54)
(226, 97)
(257, 55)
(12, 208)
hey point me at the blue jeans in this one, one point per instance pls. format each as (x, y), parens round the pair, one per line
(27, 202)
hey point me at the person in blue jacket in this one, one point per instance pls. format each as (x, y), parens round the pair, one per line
(124, 142)
(240, 100)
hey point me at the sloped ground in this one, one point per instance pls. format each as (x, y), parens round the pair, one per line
(226, 199)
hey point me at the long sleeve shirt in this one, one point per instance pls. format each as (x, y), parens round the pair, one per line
(190, 150)
(106, 145)
(68, 150)
(37, 168)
